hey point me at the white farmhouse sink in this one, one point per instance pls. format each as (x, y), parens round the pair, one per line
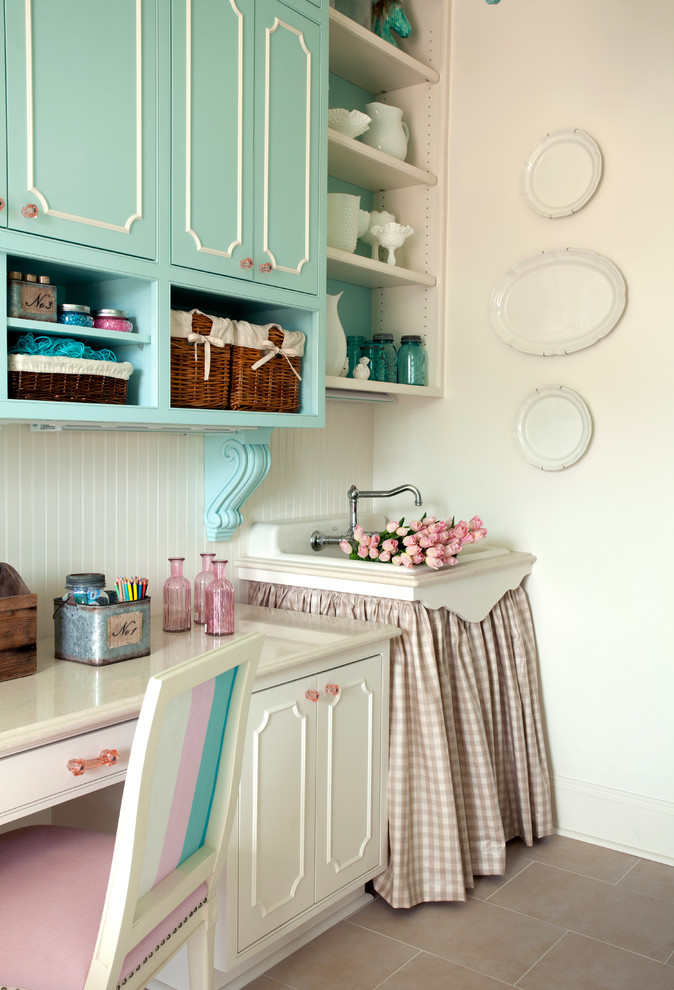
(280, 553)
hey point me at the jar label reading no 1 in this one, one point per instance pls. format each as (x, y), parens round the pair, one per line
(124, 629)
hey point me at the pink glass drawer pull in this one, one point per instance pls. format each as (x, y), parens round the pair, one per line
(29, 211)
(332, 689)
(266, 267)
(247, 263)
(311, 695)
(2, 204)
(107, 758)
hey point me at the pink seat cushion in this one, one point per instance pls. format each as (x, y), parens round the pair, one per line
(53, 882)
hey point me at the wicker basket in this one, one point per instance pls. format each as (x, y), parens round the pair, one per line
(189, 389)
(274, 387)
(43, 378)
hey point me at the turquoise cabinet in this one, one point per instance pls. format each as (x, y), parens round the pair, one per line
(81, 118)
(162, 144)
(246, 141)
(3, 132)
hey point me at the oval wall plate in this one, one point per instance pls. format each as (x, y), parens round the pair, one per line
(552, 428)
(557, 302)
(561, 173)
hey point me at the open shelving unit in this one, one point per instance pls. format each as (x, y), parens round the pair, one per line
(406, 297)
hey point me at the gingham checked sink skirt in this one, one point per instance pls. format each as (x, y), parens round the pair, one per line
(467, 762)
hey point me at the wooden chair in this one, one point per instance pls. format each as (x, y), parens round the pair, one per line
(82, 910)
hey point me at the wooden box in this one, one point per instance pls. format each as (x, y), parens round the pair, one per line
(18, 626)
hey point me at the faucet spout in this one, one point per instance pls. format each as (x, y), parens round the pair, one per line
(354, 495)
(319, 540)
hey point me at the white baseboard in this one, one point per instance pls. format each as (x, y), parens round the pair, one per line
(618, 819)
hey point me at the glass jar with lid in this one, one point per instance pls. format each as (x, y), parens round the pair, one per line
(75, 315)
(86, 589)
(354, 346)
(411, 360)
(389, 357)
(374, 350)
(112, 319)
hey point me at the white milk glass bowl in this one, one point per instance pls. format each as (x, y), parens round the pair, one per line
(352, 123)
(343, 217)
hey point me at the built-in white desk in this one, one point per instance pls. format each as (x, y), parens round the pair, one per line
(67, 710)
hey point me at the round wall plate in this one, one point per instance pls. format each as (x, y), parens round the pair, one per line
(552, 428)
(561, 173)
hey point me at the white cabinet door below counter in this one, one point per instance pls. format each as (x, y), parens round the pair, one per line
(276, 810)
(348, 771)
(310, 804)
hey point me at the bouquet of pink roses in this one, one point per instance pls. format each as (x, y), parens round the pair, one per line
(424, 541)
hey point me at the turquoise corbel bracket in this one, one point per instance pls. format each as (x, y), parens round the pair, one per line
(234, 465)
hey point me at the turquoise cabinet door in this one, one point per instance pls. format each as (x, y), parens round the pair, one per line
(246, 101)
(81, 121)
(3, 130)
(212, 118)
(287, 137)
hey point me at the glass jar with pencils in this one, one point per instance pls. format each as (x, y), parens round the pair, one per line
(131, 589)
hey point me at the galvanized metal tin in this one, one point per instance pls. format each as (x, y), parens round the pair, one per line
(101, 634)
(32, 300)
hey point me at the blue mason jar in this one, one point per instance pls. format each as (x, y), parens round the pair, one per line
(374, 350)
(411, 360)
(75, 316)
(354, 345)
(390, 358)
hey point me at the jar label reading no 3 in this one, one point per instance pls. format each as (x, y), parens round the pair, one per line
(37, 298)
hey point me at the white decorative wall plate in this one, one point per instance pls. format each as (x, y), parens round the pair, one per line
(561, 173)
(557, 302)
(552, 428)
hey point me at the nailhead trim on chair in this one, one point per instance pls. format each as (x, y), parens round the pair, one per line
(150, 954)
(156, 948)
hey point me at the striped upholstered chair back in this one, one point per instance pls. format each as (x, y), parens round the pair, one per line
(111, 911)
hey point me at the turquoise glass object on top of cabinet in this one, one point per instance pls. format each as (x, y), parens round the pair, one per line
(81, 109)
(247, 148)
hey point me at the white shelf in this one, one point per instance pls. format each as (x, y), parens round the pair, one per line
(389, 388)
(370, 62)
(370, 168)
(42, 328)
(359, 270)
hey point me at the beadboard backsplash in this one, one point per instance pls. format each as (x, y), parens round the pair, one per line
(122, 503)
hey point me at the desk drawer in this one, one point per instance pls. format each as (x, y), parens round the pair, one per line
(39, 778)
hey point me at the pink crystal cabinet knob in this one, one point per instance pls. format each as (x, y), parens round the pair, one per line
(106, 758)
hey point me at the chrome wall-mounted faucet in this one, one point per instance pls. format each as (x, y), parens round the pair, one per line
(319, 540)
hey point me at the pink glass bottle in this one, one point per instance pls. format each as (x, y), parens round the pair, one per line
(203, 578)
(177, 598)
(219, 603)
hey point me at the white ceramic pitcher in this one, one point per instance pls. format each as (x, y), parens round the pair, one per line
(387, 132)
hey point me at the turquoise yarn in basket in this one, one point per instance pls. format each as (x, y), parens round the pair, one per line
(61, 346)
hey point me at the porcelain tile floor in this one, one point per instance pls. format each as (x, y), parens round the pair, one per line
(567, 915)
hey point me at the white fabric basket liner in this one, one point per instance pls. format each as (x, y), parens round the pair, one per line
(237, 332)
(57, 364)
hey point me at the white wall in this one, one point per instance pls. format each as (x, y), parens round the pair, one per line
(602, 588)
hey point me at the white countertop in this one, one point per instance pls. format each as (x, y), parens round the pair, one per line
(64, 698)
